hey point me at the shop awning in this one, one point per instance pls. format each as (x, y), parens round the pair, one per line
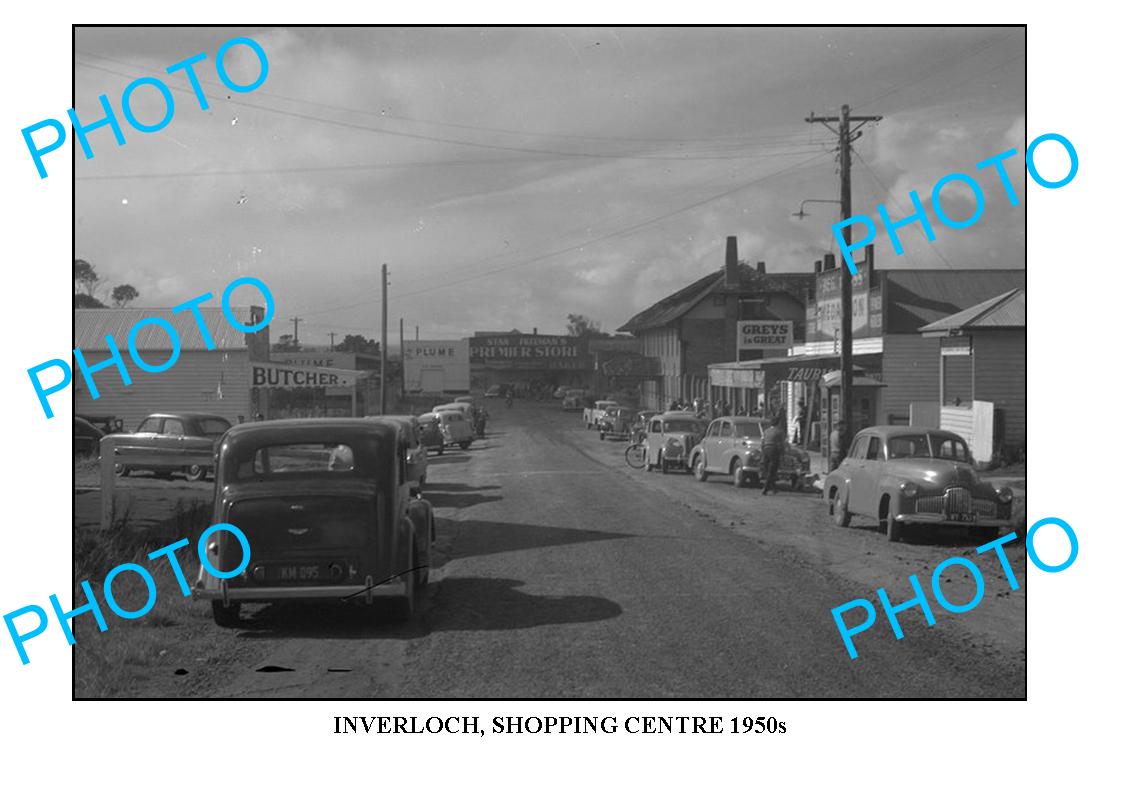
(798, 367)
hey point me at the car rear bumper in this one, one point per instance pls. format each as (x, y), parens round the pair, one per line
(395, 587)
(939, 519)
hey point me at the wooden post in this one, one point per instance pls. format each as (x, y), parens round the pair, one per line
(108, 478)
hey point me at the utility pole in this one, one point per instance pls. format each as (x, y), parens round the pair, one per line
(332, 336)
(382, 348)
(402, 352)
(846, 364)
(417, 332)
(295, 330)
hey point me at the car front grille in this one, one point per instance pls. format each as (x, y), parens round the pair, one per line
(957, 500)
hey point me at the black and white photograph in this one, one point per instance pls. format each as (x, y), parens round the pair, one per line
(550, 363)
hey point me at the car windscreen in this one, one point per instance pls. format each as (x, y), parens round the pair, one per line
(747, 428)
(688, 426)
(213, 426)
(944, 447)
(909, 446)
(452, 417)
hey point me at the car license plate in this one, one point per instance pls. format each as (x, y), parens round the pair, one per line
(298, 572)
(971, 517)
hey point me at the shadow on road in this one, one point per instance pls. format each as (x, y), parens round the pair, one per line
(448, 458)
(460, 604)
(929, 535)
(482, 538)
(452, 486)
(456, 500)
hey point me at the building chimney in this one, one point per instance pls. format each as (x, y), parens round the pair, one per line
(535, 331)
(818, 266)
(732, 271)
(760, 267)
(828, 262)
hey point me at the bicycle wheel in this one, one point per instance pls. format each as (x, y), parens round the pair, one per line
(634, 455)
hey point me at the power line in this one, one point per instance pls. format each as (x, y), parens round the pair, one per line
(432, 138)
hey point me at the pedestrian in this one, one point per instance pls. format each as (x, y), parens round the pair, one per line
(836, 444)
(772, 445)
(800, 422)
(481, 422)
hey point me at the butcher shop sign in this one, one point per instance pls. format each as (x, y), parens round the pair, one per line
(272, 374)
(764, 334)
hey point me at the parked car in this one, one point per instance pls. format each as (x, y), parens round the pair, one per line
(592, 415)
(670, 438)
(454, 425)
(617, 422)
(175, 434)
(87, 438)
(326, 507)
(431, 436)
(910, 475)
(417, 456)
(732, 446)
(560, 392)
(494, 391)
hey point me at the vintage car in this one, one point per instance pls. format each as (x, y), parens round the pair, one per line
(87, 438)
(326, 507)
(909, 475)
(561, 391)
(417, 458)
(573, 400)
(593, 415)
(431, 436)
(670, 438)
(617, 423)
(732, 446)
(174, 434)
(455, 427)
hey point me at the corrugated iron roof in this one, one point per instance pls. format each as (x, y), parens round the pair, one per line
(916, 297)
(753, 282)
(1004, 311)
(92, 326)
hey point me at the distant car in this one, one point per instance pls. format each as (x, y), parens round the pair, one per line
(326, 508)
(910, 475)
(494, 391)
(670, 438)
(593, 415)
(431, 436)
(455, 427)
(732, 446)
(617, 423)
(560, 392)
(573, 400)
(87, 438)
(174, 433)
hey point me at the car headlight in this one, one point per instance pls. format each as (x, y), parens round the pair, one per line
(754, 456)
(1005, 494)
(909, 489)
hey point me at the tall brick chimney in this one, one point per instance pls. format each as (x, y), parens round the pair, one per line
(828, 262)
(732, 271)
(760, 268)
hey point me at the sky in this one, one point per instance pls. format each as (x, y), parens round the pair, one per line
(511, 176)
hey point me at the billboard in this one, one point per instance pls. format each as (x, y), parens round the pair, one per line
(435, 366)
(530, 352)
(824, 315)
(765, 334)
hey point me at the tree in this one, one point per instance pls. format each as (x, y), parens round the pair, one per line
(123, 294)
(581, 326)
(84, 302)
(86, 279)
(286, 343)
(357, 344)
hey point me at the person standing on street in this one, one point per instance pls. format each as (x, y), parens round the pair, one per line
(800, 422)
(772, 445)
(836, 444)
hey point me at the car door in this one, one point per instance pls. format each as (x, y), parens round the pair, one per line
(865, 472)
(723, 447)
(654, 438)
(711, 448)
(170, 440)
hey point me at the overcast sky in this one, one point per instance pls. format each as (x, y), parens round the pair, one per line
(511, 176)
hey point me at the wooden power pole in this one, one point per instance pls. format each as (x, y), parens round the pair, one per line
(382, 348)
(402, 353)
(846, 355)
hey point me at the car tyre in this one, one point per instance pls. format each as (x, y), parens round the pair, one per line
(402, 608)
(797, 483)
(663, 465)
(196, 472)
(700, 469)
(602, 435)
(893, 528)
(465, 445)
(226, 615)
(647, 464)
(740, 475)
(120, 470)
(838, 509)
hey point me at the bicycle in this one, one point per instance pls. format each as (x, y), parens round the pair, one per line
(635, 455)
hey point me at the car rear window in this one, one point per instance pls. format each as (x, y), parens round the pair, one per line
(450, 417)
(682, 425)
(328, 459)
(213, 426)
